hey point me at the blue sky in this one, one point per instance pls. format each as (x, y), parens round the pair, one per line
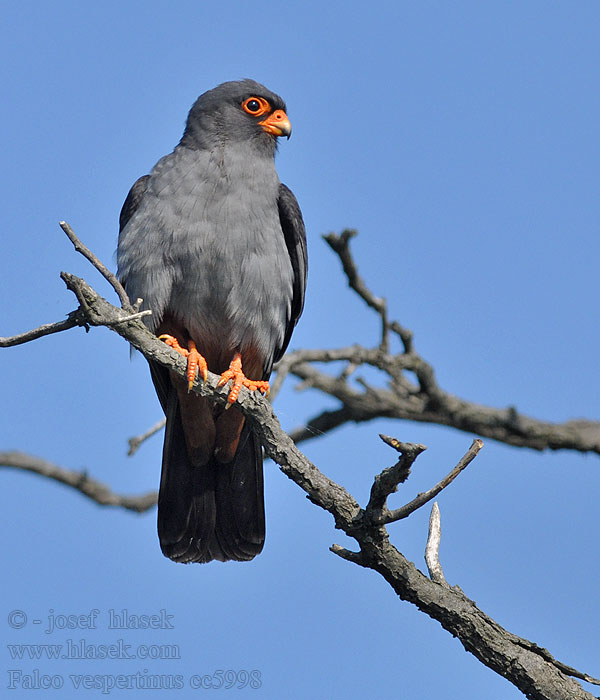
(461, 139)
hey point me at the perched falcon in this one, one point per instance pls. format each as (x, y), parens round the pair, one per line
(215, 246)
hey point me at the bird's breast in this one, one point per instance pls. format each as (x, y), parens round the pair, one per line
(230, 268)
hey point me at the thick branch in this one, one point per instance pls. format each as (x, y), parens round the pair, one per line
(530, 668)
(505, 425)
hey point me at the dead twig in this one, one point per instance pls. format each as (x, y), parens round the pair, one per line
(79, 480)
(72, 320)
(100, 266)
(136, 441)
(432, 548)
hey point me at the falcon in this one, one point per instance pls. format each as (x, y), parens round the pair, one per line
(215, 245)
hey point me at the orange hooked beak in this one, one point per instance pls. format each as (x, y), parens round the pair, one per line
(277, 123)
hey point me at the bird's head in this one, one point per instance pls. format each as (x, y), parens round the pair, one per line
(241, 110)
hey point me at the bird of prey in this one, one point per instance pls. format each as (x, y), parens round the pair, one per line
(215, 246)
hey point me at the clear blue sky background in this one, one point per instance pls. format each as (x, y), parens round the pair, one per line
(461, 139)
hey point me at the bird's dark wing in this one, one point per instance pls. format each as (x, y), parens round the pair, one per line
(294, 232)
(132, 202)
(160, 375)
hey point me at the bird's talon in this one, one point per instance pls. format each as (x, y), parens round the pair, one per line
(196, 364)
(239, 380)
(225, 377)
(172, 342)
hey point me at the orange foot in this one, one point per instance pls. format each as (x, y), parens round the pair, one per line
(239, 380)
(195, 362)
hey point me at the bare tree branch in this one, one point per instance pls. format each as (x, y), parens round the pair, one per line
(424, 401)
(528, 666)
(72, 320)
(135, 442)
(78, 480)
(341, 245)
(504, 425)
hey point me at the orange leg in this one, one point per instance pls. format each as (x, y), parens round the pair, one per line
(195, 362)
(239, 380)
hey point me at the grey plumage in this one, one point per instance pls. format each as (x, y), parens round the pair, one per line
(215, 245)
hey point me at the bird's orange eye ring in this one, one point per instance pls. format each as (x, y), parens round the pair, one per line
(256, 106)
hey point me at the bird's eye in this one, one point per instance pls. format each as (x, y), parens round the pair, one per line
(252, 106)
(255, 106)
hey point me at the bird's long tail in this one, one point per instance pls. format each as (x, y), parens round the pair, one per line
(209, 511)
